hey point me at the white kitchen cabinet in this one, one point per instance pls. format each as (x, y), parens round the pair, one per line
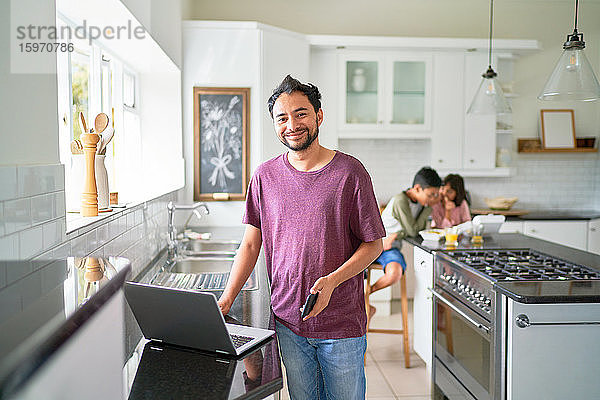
(593, 243)
(422, 306)
(461, 141)
(567, 233)
(511, 227)
(384, 94)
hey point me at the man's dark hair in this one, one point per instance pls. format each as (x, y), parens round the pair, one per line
(457, 183)
(427, 177)
(289, 85)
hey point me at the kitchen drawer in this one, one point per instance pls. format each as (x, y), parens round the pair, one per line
(511, 227)
(568, 233)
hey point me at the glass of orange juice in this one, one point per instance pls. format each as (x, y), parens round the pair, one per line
(451, 237)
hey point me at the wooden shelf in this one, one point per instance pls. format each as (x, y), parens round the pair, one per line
(535, 146)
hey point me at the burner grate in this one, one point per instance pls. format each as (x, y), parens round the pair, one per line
(503, 265)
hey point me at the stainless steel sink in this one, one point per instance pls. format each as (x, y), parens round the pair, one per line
(214, 246)
(201, 265)
(199, 273)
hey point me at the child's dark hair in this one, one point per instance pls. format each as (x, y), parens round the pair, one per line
(427, 177)
(457, 183)
(289, 85)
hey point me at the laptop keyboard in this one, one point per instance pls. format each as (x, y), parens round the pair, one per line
(239, 341)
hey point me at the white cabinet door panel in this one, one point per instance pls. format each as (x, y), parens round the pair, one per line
(448, 119)
(566, 233)
(593, 245)
(422, 306)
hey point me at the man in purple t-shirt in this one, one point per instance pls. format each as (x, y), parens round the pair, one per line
(314, 212)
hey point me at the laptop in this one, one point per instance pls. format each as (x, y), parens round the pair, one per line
(190, 319)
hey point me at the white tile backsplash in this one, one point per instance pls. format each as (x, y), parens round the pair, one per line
(8, 188)
(43, 208)
(17, 215)
(9, 247)
(33, 229)
(30, 242)
(1, 218)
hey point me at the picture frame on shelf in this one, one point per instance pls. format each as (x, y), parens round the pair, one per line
(558, 129)
(221, 143)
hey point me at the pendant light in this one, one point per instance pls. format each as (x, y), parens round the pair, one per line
(489, 98)
(573, 77)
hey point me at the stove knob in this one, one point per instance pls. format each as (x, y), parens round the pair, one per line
(488, 301)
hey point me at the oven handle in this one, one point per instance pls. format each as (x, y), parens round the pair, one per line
(459, 312)
(522, 321)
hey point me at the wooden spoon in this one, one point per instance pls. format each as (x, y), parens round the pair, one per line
(101, 122)
(84, 125)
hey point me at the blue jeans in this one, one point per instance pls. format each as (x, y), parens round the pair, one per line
(323, 369)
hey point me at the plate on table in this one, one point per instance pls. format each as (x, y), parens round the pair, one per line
(432, 234)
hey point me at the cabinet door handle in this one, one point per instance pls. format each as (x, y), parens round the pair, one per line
(471, 160)
(532, 231)
(593, 229)
(422, 262)
(522, 321)
(440, 160)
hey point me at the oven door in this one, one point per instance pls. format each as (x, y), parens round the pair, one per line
(463, 344)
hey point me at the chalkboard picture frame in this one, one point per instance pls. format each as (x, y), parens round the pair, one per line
(221, 143)
(558, 129)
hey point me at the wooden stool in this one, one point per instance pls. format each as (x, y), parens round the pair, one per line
(404, 309)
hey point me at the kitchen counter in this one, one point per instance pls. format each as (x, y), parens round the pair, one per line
(169, 372)
(549, 215)
(534, 291)
(48, 309)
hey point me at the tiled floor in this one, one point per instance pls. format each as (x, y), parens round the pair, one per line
(387, 379)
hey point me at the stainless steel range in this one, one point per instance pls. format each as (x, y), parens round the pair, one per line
(477, 335)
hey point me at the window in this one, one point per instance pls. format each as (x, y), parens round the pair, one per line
(92, 80)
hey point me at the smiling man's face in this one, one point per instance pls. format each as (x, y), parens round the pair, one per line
(295, 120)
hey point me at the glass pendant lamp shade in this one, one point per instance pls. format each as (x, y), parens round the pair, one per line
(489, 98)
(572, 79)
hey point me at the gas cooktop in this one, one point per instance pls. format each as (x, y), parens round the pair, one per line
(523, 264)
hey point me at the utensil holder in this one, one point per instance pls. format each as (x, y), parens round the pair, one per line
(77, 178)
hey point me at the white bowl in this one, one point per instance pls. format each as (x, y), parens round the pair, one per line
(432, 234)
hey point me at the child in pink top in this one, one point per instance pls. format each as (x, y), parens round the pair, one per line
(453, 208)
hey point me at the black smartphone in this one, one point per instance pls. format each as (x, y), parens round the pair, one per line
(309, 304)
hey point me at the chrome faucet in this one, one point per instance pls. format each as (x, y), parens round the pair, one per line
(171, 207)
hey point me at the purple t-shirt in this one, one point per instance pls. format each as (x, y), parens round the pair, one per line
(311, 223)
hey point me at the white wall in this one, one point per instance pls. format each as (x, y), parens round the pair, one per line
(29, 102)
(162, 18)
(208, 62)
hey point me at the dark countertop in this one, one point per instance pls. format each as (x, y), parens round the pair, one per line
(543, 215)
(533, 291)
(169, 372)
(47, 308)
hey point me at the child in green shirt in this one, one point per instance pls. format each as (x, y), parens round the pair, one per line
(405, 215)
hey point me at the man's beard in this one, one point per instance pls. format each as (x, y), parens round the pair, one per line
(304, 145)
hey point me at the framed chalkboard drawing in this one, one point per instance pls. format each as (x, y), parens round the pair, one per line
(221, 143)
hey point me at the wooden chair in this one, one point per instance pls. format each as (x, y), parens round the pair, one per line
(404, 309)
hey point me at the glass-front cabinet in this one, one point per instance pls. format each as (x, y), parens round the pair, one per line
(385, 94)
